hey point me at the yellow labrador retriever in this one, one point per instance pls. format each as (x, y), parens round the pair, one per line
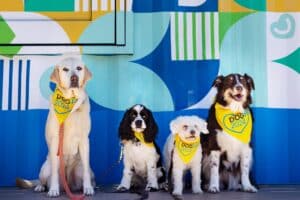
(70, 76)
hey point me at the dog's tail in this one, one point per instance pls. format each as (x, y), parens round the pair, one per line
(26, 184)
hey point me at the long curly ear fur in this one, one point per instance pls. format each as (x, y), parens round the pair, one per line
(125, 132)
(151, 130)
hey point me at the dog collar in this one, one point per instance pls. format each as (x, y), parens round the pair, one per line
(62, 106)
(186, 149)
(140, 137)
(238, 125)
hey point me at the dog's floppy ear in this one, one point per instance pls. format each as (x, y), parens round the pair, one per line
(55, 76)
(174, 126)
(151, 128)
(250, 81)
(87, 75)
(218, 81)
(125, 132)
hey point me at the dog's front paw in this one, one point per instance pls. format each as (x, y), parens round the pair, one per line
(89, 191)
(39, 188)
(213, 189)
(151, 187)
(177, 196)
(197, 190)
(249, 188)
(122, 188)
(53, 193)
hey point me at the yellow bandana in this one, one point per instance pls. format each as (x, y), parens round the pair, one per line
(186, 149)
(140, 137)
(62, 105)
(238, 125)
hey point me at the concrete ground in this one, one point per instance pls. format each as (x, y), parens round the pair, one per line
(287, 192)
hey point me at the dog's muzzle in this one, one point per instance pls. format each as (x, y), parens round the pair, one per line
(138, 123)
(74, 81)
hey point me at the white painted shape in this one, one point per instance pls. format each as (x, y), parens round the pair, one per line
(207, 36)
(5, 87)
(199, 35)
(23, 84)
(193, 3)
(173, 36)
(15, 85)
(189, 34)
(180, 36)
(216, 35)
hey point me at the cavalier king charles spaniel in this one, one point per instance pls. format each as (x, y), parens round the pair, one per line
(142, 157)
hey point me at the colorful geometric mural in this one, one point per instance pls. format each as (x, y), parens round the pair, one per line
(164, 55)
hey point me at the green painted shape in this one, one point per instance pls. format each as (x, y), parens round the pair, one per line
(260, 5)
(49, 5)
(6, 37)
(292, 61)
(226, 20)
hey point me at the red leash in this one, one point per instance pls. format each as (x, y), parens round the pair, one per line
(62, 166)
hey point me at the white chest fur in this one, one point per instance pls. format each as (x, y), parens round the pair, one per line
(139, 155)
(233, 147)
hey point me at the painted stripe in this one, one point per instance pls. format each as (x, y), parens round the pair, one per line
(112, 4)
(185, 47)
(194, 35)
(104, 5)
(122, 4)
(27, 83)
(189, 35)
(207, 36)
(94, 5)
(216, 32)
(180, 36)
(14, 86)
(177, 36)
(129, 5)
(203, 36)
(77, 5)
(212, 34)
(86, 5)
(173, 38)
(10, 83)
(1, 82)
(23, 86)
(5, 85)
(19, 84)
(199, 36)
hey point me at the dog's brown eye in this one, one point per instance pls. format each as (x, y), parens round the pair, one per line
(185, 127)
(65, 69)
(144, 116)
(79, 68)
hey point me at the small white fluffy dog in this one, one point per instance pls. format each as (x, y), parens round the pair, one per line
(182, 152)
(70, 76)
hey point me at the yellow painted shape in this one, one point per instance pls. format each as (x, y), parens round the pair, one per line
(11, 5)
(231, 6)
(74, 29)
(283, 5)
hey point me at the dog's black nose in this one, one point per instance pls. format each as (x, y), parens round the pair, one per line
(193, 132)
(239, 88)
(138, 123)
(74, 80)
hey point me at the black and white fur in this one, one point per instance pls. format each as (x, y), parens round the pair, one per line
(188, 128)
(227, 161)
(142, 164)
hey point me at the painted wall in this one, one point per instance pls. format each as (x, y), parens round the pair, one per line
(166, 58)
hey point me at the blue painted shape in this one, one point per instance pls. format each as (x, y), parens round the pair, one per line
(187, 81)
(167, 5)
(243, 50)
(23, 148)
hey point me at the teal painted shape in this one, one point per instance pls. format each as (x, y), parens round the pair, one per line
(118, 85)
(145, 34)
(243, 50)
(49, 5)
(292, 61)
(45, 84)
(284, 27)
(101, 30)
(260, 5)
